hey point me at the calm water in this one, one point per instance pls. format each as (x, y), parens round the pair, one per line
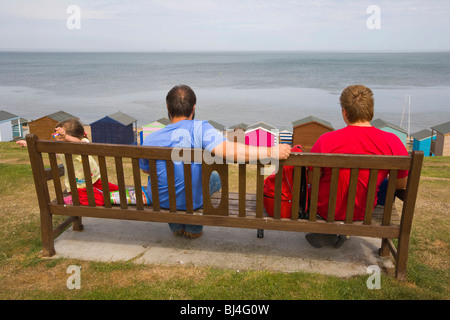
(277, 88)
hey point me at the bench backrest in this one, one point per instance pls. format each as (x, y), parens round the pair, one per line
(413, 163)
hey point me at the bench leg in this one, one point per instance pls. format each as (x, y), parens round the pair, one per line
(77, 224)
(48, 243)
(260, 233)
(402, 257)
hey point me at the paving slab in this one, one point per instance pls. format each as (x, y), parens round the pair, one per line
(232, 248)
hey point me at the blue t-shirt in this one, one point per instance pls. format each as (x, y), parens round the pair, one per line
(182, 134)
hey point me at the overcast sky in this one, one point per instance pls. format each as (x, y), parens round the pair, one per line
(155, 25)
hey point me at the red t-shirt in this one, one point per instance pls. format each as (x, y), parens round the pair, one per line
(354, 140)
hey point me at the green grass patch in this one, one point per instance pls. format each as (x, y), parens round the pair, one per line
(25, 274)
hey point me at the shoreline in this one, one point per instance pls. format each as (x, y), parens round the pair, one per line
(278, 107)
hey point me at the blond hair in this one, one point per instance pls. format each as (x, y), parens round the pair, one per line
(357, 100)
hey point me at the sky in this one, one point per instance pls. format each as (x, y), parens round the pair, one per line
(225, 25)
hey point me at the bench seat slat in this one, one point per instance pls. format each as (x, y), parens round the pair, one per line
(267, 223)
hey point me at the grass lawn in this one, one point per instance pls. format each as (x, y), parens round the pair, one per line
(24, 274)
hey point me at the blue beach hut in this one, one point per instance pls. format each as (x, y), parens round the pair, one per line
(389, 127)
(117, 128)
(422, 141)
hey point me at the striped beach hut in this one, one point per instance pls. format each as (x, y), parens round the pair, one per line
(152, 127)
(261, 134)
(286, 136)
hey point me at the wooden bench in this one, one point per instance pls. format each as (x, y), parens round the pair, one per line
(225, 209)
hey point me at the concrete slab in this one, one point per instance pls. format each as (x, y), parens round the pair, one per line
(238, 249)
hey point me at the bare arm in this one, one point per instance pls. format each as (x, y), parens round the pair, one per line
(239, 152)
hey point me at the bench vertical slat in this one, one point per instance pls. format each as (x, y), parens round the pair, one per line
(154, 184)
(88, 180)
(296, 192)
(390, 194)
(188, 188)
(277, 196)
(351, 195)
(222, 170)
(56, 178)
(121, 183)
(72, 180)
(171, 185)
(37, 166)
(105, 182)
(242, 189)
(412, 188)
(137, 183)
(208, 208)
(388, 204)
(259, 190)
(371, 189)
(314, 193)
(333, 194)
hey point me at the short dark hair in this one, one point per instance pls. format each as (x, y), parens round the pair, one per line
(180, 101)
(357, 100)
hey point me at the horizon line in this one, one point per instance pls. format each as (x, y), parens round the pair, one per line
(2, 50)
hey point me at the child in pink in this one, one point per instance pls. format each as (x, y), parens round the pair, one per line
(72, 131)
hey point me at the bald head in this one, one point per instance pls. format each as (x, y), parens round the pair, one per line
(180, 101)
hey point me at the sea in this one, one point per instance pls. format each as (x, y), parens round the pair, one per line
(411, 90)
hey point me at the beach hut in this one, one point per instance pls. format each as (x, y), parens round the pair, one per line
(20, 128)
(45, 126)
(307, 130)
(286, 136)
(6, 126)
(117, 128)
(236, 133)
(422, 141)
(389, 127)
(220, 128)
(152, 127)
(440, 144)
(261, 134)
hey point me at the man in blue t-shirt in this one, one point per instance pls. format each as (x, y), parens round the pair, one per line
(185, 132)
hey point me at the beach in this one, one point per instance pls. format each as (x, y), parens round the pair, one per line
(275, 87)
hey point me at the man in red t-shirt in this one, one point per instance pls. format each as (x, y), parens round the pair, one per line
(359, 137)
